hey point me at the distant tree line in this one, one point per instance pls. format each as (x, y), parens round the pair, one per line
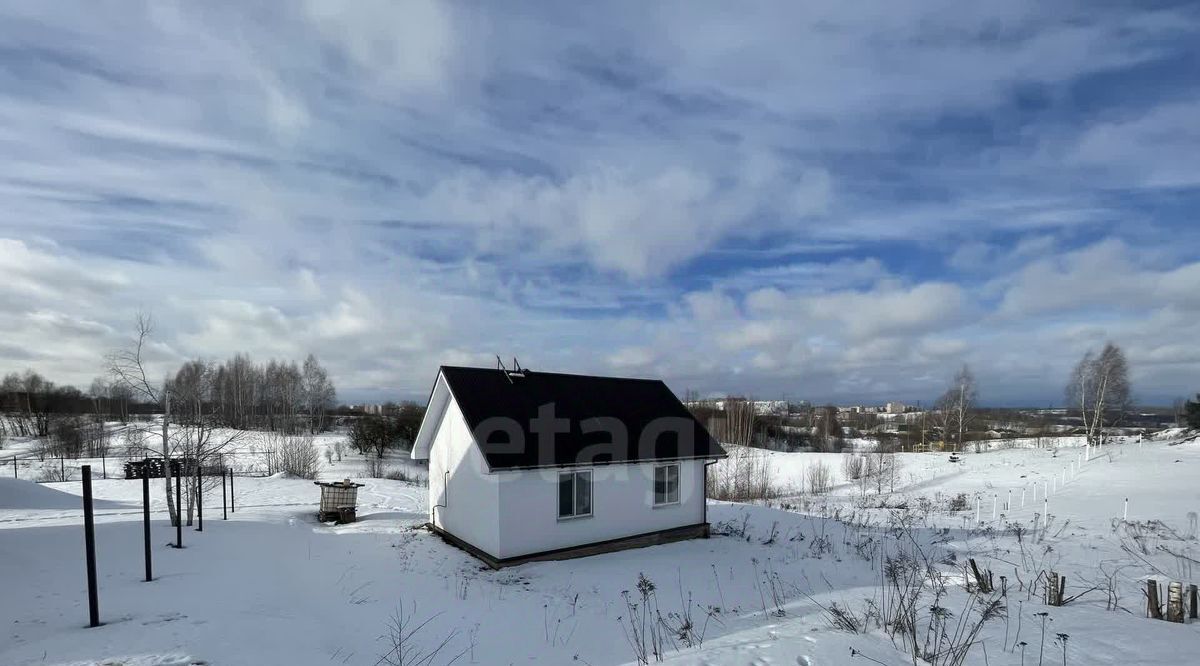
(29, 404)
(1098, 397)
(238, 393)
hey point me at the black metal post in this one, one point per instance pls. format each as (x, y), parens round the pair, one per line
(224, 506)
(89, 542)
(14, 467)
(178, 509)
(232, 503)
(146, 517)
(62, 469)
(103, 466)
(199, 496)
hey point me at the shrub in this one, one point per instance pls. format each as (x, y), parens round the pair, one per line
(401, 474)
(54, 472)
(819, 478)
(375, 467)
(295, 455)
(743, 476)
(853, 465)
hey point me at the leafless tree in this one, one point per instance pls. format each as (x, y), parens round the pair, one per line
(955, 408)
(1099, 387)
(319, 393)
(885, 466)
(127, 367)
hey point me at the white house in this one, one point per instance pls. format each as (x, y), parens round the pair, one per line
(537, 465)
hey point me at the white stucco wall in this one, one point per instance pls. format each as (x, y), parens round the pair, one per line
(458, 479)
(622, 505)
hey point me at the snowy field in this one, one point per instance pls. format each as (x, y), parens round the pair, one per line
(273, 586)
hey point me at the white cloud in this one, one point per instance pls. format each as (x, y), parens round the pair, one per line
(750, 200)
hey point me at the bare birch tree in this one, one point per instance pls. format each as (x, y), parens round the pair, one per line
(128, 369)
(1099, 387)
(955, 410)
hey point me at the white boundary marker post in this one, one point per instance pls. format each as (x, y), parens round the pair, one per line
(1008, 502)
(1126, 516)
(993, 507)
(1022, 498)
(977, 508)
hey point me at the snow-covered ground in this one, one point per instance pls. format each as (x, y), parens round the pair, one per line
(273, 586)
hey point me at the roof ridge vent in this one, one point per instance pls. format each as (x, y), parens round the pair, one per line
(517, 371)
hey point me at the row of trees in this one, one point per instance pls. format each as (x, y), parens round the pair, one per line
(238, 393)
(29, 402)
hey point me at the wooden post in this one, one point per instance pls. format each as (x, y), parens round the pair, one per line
(1153, 610)
(178, 507)
(1193, 605)
(199, 496)
(1175, 602)
(1052, 590)
(89, 544)
(146, 518)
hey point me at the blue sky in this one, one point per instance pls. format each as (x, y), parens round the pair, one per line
(832, 201)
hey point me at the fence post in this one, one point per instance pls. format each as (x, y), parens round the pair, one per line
(178, 509)
(62, 469)
(146, 517)
(232, 501)
(224, 501)
(89, 543)
(199, 495)
(14, 467)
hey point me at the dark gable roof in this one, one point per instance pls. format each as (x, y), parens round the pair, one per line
(499, 407)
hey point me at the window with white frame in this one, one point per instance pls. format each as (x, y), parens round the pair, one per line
(666, 484)
(574, 494)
